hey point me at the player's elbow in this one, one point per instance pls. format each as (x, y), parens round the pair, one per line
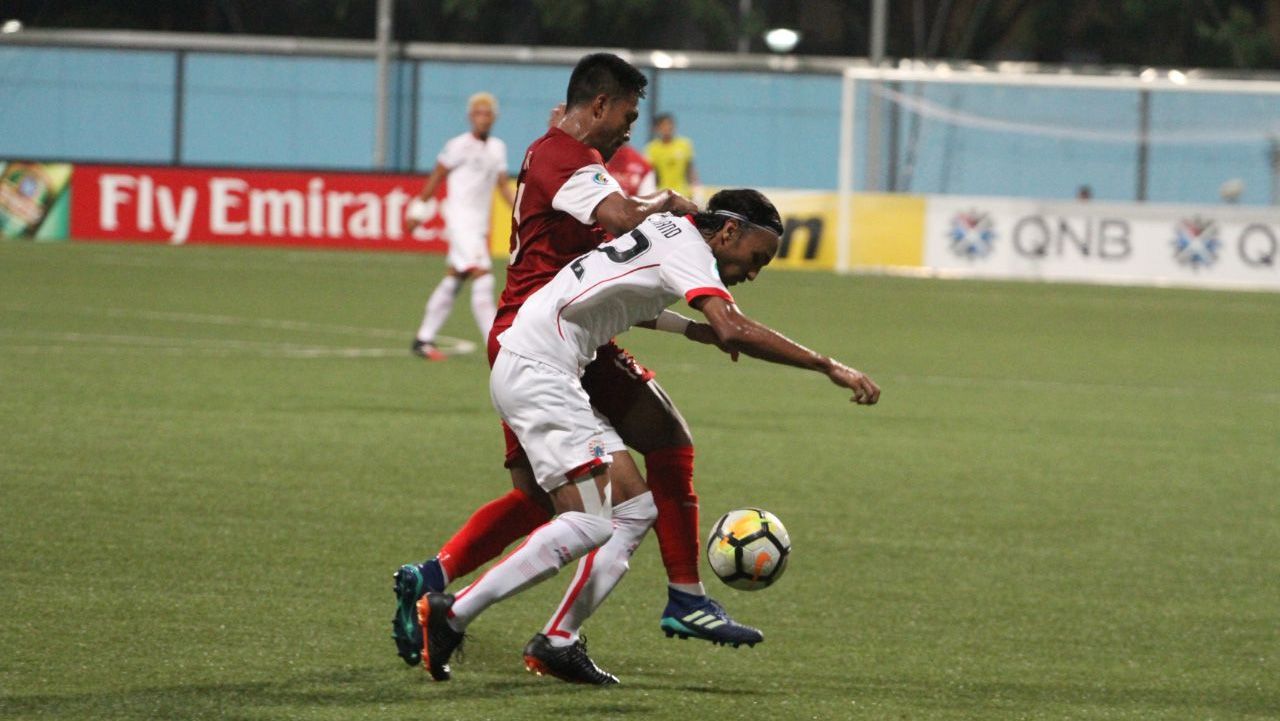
(734, 336)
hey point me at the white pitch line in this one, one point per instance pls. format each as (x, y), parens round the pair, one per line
(449, 345)
(114, 342)
(231, 320)
(178, 350)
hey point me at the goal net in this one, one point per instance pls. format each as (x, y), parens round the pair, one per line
(1162, 136)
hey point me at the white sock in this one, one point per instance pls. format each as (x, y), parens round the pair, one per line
(552, 546)
(602, 569)
(697, 589)
(439, 305)
(482, 306)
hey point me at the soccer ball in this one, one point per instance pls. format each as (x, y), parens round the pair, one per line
(748, 549)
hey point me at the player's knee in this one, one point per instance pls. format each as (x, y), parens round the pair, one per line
(596, 530)
(638, 511)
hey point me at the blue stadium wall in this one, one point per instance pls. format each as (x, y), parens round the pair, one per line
(758, 129)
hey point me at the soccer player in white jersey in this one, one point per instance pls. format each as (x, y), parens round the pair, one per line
(475, 163)
(576, 455)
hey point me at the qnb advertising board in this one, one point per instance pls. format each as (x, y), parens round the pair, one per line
(1148, 244)
(188, 206)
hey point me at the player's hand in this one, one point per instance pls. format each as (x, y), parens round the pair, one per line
(704, 333)
(417, 212)
(865, 391)
(681, 205)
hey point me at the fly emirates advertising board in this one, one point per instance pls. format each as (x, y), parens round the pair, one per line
(189, 206)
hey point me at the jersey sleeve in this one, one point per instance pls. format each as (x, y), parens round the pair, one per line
(450, 155)
(583, 191)
(690, 271)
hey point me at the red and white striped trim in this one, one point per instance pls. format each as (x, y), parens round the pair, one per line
(702, 292)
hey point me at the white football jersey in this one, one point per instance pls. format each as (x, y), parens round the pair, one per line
(613, 287)
(474, 166)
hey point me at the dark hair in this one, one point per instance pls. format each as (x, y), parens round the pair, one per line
(750, 204)
(660, 117)
(603, 74)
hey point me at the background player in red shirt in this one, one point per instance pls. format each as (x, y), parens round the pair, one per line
(633, 172)
(566, 205)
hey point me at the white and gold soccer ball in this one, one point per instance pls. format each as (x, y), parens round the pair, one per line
(748, 549)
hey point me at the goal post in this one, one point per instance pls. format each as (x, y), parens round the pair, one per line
(1014, 130)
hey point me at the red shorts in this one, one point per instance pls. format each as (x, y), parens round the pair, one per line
(613, 381)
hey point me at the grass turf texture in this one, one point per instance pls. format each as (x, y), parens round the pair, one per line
(1066, 505)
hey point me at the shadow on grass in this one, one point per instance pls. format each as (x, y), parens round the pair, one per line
(355, 692)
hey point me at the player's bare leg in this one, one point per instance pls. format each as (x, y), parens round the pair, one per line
(583, 507)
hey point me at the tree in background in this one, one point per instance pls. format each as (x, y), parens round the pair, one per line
(1240, 34)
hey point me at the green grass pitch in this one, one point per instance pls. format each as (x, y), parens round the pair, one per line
(1066, 506)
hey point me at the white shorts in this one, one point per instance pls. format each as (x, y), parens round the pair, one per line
(552, 416)
(468, 248)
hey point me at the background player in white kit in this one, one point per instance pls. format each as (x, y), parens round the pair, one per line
(475, 163)
(576, 455)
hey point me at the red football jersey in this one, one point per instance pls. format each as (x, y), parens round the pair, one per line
(560, 184)
(630, 169)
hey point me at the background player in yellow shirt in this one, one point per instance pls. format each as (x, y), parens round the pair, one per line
(672, 158)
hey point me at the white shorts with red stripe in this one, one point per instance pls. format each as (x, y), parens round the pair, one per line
(468, 247)
(552, 416)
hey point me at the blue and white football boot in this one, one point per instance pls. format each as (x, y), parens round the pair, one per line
(690, 616)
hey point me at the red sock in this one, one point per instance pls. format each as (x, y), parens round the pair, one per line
(670, 475)
(492, 528)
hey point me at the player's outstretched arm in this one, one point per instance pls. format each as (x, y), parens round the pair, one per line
(618, 214)
(738, 332)
(672, 322)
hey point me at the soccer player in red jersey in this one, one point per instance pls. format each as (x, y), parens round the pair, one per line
(566, 205)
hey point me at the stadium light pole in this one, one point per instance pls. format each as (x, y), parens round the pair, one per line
(845, 169)
(1275, 170)
(1144, 144)
(384, 60)
(879, 22)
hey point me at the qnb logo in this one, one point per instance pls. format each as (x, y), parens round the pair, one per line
(1196, 243)
(972, 235)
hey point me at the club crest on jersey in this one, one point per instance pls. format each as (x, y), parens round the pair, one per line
(1196, 243)
(600, 179)
(972, 235)
(595, 448)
